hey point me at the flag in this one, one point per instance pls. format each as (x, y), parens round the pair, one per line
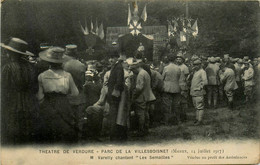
(91, 26)
(144, 14)
(84, 31)
(175, 25)
(182, 36)
(101, 33)
(96, 27)
(129, 15)
(195, 29)
(170, 30)
(86, 27)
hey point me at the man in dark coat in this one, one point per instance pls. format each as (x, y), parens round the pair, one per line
(115, 87)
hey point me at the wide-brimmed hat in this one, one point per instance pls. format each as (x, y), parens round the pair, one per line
(54, 55)
(17, 45)
(70, 50)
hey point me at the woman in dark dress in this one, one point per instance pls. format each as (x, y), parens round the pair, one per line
(18, 99)
(55, 84)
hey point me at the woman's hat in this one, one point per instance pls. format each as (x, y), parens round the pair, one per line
(18, 46)
(54, 55)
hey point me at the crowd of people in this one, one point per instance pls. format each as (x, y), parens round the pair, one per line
(57, 98)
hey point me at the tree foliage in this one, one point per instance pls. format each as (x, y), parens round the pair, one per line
(224, 26)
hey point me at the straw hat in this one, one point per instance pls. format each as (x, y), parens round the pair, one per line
(17, 45)
(54, 55)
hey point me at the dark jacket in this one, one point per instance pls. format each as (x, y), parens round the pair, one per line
(116, 79)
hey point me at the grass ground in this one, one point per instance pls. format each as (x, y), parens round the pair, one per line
(219, 124)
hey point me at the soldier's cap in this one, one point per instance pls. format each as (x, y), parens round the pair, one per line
(197, 62)
(70, 49)
(204, 57)
(89, 73)
(226, 56)
(212, 59)
(246, 58)
(135, 64)
(180, 55)
(245, 61)
(194, 57)
(240, 61)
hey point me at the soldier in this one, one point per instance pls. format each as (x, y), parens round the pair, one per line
(238, 66)
(228, 79)
(142, 95)
(197, 91)
(247, 77)
(172, 90)
(77, 71)
(213, 81)
(184, 98)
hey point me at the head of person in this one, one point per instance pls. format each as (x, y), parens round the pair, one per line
(212, 60)
(113, 57)
(135, 67)
(55, 56)
(226, 58)
(89, 75)
(197, 64)
(223, 67)
(165, 59)
(71, 50)
(179, 58)
(246, 63)
(171, 57)
(246, 58)
(122, 56)
(16, 49)
(240, 61)
(218, 60)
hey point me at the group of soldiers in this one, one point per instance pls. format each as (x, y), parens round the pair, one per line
(74, 100)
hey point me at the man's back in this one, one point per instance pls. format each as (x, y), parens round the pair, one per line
(171, 75)
(143, 83)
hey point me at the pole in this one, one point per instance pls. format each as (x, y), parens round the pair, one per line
(187, 9)
(187, 17)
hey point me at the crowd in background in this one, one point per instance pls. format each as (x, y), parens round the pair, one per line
(60, 98)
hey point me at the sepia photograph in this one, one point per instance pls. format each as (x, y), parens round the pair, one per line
(130, 82)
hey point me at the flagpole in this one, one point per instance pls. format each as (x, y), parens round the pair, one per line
(187, 9)
(187, 17)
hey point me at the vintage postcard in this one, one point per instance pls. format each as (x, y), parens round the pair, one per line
(130, 82)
